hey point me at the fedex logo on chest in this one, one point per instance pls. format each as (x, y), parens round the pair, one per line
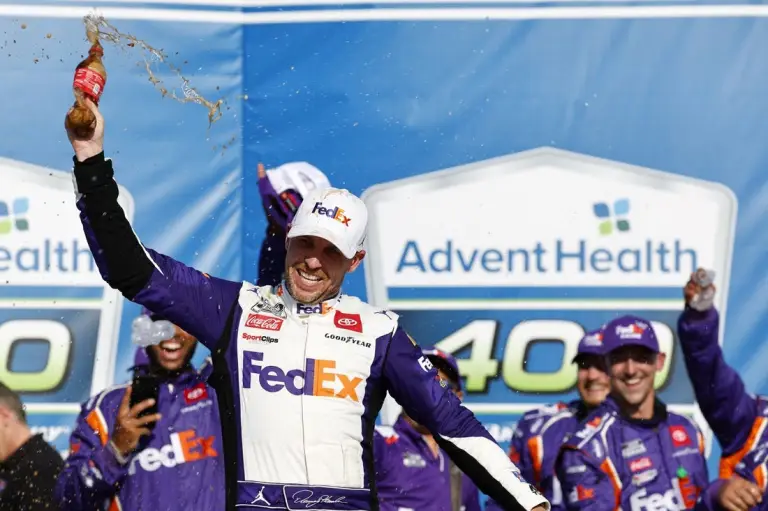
(318, 377)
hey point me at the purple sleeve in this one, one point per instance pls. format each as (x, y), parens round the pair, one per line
(388, 467)
(380, 457)
(92, 474)
(414, 384)
(197, 303)
(584, 484)
(272, 257)
(708, 499)
(727, 407)
(470, 496)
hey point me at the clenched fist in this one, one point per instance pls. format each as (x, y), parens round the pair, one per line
(94, 144)
(699, 292)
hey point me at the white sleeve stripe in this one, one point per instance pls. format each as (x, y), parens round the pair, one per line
(488, 454)
(144, 249)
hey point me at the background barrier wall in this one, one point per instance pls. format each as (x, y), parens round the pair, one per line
(532, 170)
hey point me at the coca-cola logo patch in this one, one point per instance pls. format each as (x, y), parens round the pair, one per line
(640, 464)
(195, 394)
(348, 321)
(263, 322)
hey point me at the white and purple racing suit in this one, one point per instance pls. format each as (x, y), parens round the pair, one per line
(299, 386)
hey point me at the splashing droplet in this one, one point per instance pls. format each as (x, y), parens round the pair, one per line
(105, 31)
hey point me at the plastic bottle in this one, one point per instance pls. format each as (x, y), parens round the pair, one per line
(90, 78)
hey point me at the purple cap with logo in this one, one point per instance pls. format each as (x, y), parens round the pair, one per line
(445, 362)
(590, 344)
(629, 331)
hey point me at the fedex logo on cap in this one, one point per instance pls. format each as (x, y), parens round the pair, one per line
(594, 339)
(335, 213)
(318, 378)
(633, 331)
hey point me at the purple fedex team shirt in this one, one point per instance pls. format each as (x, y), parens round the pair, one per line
(410, 477)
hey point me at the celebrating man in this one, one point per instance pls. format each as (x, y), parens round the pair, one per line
(632, 453)
(540, 432)
(301, 370)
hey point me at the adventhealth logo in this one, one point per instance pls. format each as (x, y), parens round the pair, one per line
(40, 254)
(336, 213)
(14, 216)
(609, 218)
(637, 254)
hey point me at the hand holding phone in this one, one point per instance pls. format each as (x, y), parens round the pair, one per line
(136, 416)
(144, 387)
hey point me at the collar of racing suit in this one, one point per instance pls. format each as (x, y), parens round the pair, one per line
(659, 414)
(300, 309)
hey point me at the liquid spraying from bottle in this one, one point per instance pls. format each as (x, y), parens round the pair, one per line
(89, 82)
(99, 29)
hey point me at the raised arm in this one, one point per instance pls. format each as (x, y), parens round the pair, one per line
(196, 302)
(413, 382)
(728, 408)
(519, 454)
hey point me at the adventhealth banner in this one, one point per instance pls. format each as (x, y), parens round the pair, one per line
(516, 297)
(532, 170)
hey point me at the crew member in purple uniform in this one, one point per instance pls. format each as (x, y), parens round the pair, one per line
(122, 461)
(539, 433)
(737, 418)
(631, 453)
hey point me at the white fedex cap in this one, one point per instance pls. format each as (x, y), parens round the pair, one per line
(334, 215)
(299, 175)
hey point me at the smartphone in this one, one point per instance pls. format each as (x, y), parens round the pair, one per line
(143, 387)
